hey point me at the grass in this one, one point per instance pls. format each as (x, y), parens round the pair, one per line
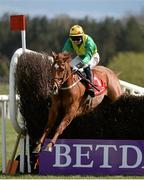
(4, 88)
(129, 66)
(10, 140)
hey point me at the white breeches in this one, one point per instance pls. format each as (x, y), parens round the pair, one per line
(93, 62)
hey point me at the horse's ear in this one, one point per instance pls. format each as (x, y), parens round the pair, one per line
(54, 54)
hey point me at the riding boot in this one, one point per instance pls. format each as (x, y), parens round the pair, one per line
(89, 75)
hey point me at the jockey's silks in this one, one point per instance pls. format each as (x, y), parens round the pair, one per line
(85, 51)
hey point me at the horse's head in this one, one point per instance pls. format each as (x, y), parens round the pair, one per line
(60, 70)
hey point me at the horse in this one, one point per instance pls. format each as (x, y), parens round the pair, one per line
(69, 96)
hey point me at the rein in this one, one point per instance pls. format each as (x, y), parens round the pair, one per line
(71, 86)
(64, 79)
(82, 76)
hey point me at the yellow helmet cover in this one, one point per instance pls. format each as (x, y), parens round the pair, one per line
(76, 30)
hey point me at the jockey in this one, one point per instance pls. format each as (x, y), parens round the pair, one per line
(86, 51)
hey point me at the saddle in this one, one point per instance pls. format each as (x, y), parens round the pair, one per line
(98, 84)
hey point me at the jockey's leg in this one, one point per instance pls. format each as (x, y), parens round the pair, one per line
(89, 76)
(94, 61)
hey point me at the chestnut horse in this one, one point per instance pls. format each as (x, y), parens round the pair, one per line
(68, 94)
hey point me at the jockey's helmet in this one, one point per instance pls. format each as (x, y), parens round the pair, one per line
(76, 30)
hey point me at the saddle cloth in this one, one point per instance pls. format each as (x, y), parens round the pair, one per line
(100, 84)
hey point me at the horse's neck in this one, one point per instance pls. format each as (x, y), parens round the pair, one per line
(71, 82)
(71, 78)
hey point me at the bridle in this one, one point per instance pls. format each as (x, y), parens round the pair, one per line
(65, 76)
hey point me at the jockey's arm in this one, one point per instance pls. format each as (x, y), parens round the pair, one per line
(91, 49)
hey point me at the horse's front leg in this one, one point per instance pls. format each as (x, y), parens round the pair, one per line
(51, 121)
(41, 141)
(62, 126)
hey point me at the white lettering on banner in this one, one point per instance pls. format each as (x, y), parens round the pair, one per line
(106, 154)
(79, 155)
(125, 156)
(84, 158)
(65, 155)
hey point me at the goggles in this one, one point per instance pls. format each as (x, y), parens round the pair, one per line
(76, 38)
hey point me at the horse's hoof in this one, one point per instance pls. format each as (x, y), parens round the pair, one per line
(49, 147)
(37, 149)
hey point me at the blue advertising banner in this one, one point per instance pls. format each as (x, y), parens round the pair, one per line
(93, 157)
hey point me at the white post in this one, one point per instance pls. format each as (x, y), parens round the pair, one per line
(23, 36)
(3, 136)
(28, 153)
(22, 154)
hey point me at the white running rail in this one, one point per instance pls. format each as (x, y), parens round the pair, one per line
(132, 88)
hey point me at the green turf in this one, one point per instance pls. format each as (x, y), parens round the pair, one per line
(4, 88)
